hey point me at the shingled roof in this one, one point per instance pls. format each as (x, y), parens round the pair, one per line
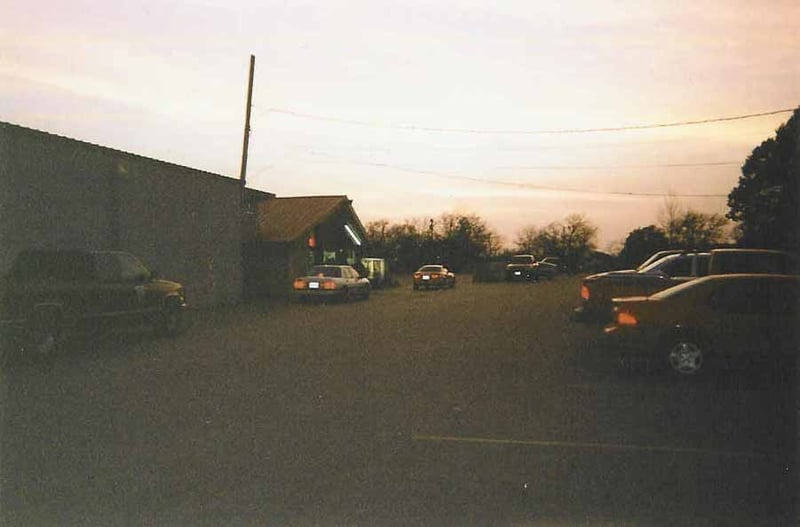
(287, 219)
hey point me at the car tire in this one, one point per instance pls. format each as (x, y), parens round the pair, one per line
(686, 355)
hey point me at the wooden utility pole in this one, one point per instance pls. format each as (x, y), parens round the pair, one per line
(246, 142)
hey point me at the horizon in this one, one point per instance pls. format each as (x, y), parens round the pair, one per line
(520, 114)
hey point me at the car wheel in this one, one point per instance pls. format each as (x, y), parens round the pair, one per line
(686, 356)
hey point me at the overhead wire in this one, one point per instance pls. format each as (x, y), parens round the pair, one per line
(517, 184)
(524, 132)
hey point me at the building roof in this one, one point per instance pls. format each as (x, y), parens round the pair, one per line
(15, 128)
(287, 219)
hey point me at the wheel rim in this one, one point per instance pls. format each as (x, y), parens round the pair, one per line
(686, 358)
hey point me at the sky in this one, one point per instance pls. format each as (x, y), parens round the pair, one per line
(418, 108)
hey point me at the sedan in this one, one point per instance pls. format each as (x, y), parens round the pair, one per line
(332, 281)
(743, 319)
(430, 276)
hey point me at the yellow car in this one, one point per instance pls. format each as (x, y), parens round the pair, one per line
(737, 319)
(433, 276)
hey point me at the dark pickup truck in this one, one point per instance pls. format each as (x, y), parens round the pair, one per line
(51, 295)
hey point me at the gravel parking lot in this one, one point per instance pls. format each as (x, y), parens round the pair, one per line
(479, 405)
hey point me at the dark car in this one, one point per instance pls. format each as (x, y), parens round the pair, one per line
(521, 267)
(545, 269)
(737, 319)
(51, 295)
(433, 276)
(332, 281)
(598, 290)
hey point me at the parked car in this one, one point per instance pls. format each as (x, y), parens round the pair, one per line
(544, 269)
(332, 281)
(597, 290)
(430, 276)
(735, 319)
(521, 267)
(50, 296)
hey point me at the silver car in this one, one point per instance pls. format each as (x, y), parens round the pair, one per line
(332, 281)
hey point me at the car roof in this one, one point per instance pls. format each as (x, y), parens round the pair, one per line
(754, 251)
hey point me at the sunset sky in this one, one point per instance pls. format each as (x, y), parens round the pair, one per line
(416, 108)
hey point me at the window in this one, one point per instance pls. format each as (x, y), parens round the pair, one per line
(680, 266)
(131, 268)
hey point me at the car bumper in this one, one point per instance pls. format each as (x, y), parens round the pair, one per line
(431, 283)
(319, 293)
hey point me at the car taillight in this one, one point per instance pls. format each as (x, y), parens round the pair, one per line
(299, 284)
(328, 285)
(625, 318)
(417, 275)
(584, 292)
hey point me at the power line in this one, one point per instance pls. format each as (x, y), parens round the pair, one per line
(595, 167)
(524, 132)
(517, 184)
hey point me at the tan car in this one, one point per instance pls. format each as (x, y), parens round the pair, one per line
(735, 319)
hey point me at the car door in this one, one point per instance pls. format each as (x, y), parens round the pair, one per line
(741, 321)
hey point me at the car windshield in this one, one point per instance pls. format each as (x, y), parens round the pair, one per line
(522, 259)
(431, 269)
(331, 271)
(658, 265)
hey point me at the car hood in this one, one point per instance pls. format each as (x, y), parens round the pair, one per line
(630, 300)
(612, 274)
(164, 285)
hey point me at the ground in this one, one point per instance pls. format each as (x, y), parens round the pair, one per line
(480, 405)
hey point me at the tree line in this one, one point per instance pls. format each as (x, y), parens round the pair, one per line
(764, 211)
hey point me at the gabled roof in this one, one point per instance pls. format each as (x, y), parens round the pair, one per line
(287, 219)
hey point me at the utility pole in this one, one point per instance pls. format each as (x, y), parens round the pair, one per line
(245, 227)
(246, 142)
